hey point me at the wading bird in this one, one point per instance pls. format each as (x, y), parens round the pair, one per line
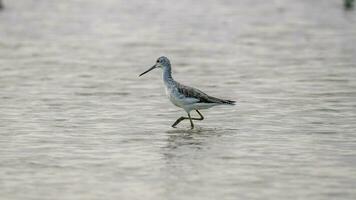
(185, 97)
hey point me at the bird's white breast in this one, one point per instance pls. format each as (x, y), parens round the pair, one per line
(173, 95)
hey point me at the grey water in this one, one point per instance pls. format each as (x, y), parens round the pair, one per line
(76, 121)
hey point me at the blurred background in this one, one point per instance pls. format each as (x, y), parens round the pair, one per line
(76, 122)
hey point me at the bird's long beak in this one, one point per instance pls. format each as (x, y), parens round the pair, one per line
(154, 66)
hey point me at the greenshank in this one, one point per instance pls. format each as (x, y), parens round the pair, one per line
(185, 97)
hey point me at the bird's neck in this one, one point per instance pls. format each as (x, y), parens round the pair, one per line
(167, 75)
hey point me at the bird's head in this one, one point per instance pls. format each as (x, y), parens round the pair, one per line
(162, 62)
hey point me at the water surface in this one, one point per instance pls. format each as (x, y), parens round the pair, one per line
(76, 122)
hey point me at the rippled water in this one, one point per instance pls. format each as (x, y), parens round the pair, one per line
(76, 122)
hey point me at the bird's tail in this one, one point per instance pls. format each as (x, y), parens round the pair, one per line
(229, 102)
(221, 101)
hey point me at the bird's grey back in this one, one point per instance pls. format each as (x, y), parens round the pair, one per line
(201, 96)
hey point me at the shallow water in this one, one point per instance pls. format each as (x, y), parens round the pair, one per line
(76, 122)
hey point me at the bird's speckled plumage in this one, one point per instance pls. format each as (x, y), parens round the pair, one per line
(203, 98)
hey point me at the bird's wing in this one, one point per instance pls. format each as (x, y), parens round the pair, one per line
(197, 94)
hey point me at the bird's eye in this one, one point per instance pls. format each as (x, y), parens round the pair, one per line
(158, 61)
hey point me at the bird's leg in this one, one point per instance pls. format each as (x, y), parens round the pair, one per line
(191, 121)
(183, 118)
(178, 121)
(201, 116)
